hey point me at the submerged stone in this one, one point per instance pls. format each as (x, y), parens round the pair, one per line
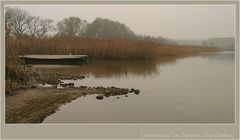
(33, 86)
(131, 90)
(99, 97)
(63, 85)
(71, 84)
(83, 87)
(136, 91)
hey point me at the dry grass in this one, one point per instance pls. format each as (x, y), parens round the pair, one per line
(33, 105)
(15, 73)
(102, 48)
(116, 49)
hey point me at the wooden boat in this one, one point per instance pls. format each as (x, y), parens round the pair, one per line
(54, 59)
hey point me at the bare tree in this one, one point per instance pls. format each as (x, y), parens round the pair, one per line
(19, 22)
(16, 20)
(8, 25)
(32, 25)
(38, 28)
(44, 27)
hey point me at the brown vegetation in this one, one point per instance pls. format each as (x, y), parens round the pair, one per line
(15, 74)
(34, 104)
(101, 48)
(113, 49)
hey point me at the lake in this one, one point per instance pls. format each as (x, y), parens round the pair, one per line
(194, 89)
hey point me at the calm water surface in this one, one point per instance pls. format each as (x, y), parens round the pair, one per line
(187, 90)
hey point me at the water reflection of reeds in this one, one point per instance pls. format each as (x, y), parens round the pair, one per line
(109, 68)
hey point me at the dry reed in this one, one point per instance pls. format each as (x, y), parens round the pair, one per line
(116, 49)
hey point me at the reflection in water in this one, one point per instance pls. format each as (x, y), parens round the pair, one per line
(109, 68)
(220, 56)
(197, 89)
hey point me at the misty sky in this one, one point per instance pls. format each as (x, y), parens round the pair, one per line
(171, 21)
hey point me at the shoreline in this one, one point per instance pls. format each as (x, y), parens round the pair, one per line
(32, 102)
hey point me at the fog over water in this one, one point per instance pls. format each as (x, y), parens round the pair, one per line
(173, 89)
(182, 21)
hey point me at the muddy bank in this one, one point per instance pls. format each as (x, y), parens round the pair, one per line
(34, 101)
(54, 78)
(32, 105)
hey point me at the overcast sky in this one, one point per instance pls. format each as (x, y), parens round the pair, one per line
(170, 21)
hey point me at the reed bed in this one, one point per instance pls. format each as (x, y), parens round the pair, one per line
(116, 49)
(101, 48)
(15, 75)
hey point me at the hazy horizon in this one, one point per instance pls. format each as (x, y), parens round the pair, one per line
(173, 21)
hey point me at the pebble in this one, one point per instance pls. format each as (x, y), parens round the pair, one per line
(99, 97)
(33, 86)
(137, 91)
(131, 90)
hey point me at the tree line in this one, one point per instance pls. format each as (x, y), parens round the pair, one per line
(19, 22)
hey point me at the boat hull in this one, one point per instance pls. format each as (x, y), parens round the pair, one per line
(58, 61)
